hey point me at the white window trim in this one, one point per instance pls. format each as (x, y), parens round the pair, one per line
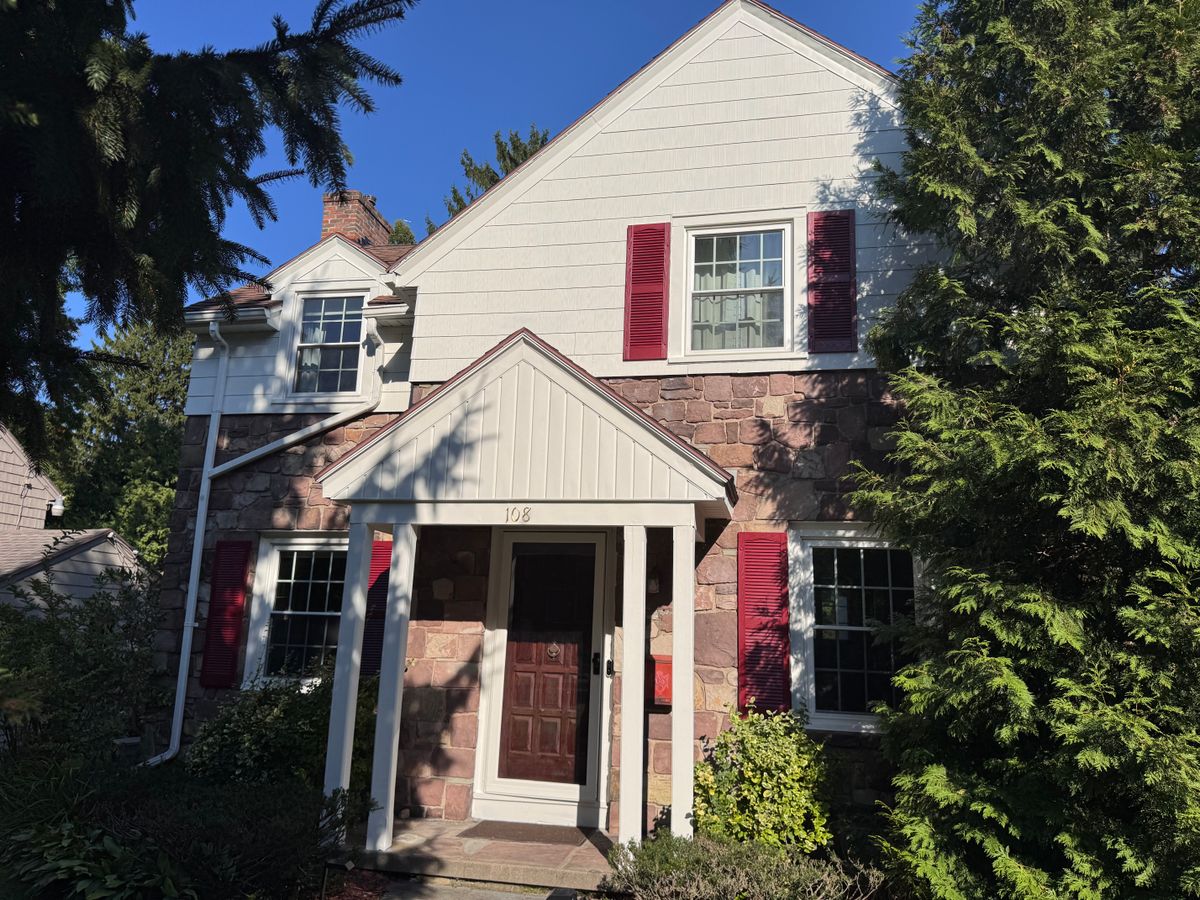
(262, 598)
(289, 344)
(792, 221)
(802, 538)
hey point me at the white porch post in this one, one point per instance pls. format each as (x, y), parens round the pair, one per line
(391, 687)
(349, 655)
(683, 646)
(633, 686)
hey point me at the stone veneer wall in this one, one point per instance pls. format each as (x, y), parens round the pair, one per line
(788, 439)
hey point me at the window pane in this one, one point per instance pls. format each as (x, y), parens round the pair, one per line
(849, 607)
(772, 274)
(772, 245)
(827, 690)
(750, 274)
(902, 568)
(853, 688)
(750, 246)
(879, 689)
(726, 248)
(827, 606)
(704, 249)
(875, 568)
(849, 567)
(852, 650)
(878, 607)
(825, 648)
(822, 565)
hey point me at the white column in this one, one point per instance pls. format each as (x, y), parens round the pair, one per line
(391, 687)
(633, 686)
(349, 656)
(683, 646)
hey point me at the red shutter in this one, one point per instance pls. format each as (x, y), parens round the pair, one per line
(226, 608)
(647, 274)
(832, 282)
(764, 645)
(377, 593)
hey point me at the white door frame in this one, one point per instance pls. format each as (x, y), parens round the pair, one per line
(543, 802)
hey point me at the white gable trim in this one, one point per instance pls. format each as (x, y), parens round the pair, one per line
(752, 13)
(523, 424)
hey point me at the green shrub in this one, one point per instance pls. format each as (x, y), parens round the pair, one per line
(759, 782)
(77, 674)
(279, 731)
(70, 830)
(666, 867)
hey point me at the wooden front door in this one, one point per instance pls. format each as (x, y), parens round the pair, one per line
(547, 666)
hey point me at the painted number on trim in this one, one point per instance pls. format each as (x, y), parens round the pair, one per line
(517, 514)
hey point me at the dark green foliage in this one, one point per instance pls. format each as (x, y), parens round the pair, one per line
(759, 781)
(402, 233)
(510, 153)
(116, 456)
(120, 165)
(74, 675)
(278, 732)
(69, 830)
(666, 867)
(1048, 743)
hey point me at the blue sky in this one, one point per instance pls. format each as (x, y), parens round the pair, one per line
(469, 69)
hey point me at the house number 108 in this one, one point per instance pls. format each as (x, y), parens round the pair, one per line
(517, 514)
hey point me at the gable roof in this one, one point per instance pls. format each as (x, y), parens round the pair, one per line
(868, 74)
(252, 295)
(523, 422)
(25, 551)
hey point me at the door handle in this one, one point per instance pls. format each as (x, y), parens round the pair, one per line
(595, 663)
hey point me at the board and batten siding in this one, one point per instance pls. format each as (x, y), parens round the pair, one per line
(748, 125)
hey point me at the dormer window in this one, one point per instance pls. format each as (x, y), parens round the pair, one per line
(327, 354)
(739, 289)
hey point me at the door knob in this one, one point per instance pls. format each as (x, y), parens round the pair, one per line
(595, 663)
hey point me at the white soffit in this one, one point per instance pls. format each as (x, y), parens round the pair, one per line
(524, 424)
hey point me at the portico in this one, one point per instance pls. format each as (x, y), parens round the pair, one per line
(568, 477)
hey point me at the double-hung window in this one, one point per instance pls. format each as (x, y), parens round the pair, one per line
(738, 289)
(298, 586)
(850, 587)
(328, 350)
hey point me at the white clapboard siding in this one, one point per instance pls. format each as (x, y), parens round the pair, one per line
(75, 573)
(523, 426)
(259, 361)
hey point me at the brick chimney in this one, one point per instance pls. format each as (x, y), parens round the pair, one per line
(355, 216)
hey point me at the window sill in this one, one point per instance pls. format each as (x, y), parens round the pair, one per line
(845, 723)
(315, 402)
(780, 353)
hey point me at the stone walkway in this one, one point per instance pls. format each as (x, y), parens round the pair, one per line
(435, 847)
(422, 890)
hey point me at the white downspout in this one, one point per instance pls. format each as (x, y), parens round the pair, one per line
(372, 343)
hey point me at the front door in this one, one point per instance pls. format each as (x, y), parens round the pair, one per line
(545, 716)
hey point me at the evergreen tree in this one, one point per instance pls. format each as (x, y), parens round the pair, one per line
(402, 233)
(120, 165)
(510, 153)
(116, 456)
(1048, 740)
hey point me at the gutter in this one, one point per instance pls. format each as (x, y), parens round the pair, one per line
(373, 344)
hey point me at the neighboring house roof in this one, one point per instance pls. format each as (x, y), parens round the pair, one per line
(253, 295)
(24, 493)
(24, 551)
(686, 472)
